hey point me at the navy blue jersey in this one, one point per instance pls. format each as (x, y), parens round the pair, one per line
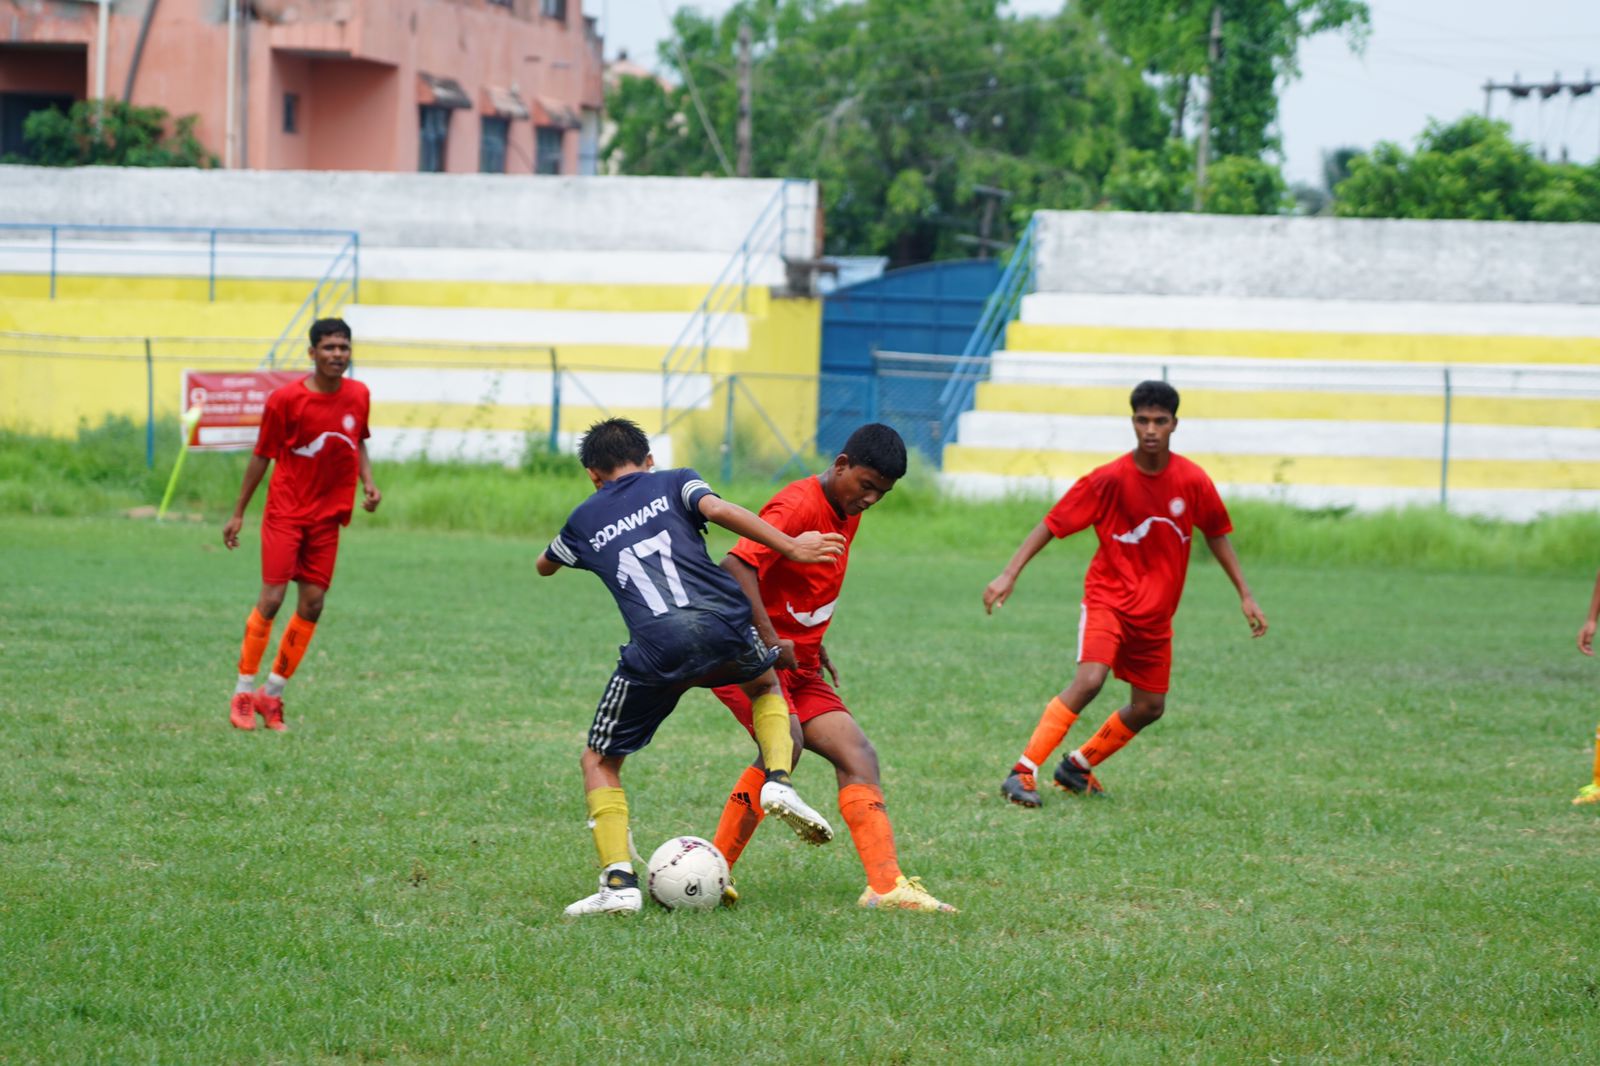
(642, 534)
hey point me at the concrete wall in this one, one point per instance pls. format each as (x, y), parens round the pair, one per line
(419, 210)
(1318, 258)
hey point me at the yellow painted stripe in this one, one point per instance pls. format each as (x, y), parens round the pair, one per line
(1265, 344)
(145, 318)
(546, 295)
(424, 416)
(411, 293)
(1329, 406)
(1294, 470)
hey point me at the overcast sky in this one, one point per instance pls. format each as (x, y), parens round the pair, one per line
(1424, 58)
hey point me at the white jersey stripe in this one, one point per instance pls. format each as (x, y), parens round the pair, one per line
(1083, 621)
(563, 553)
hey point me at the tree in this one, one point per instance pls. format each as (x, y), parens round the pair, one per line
(1468, 169)
(1260, 44)
(902, 109)
(111, 133)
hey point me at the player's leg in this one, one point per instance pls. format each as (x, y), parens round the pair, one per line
(769, 721)
(1145, 662)
(1076, 773)
(280, 547)
(837, 736)
(1099, 637)
(257, 634)
(742, 813)
(627, 717)
(1590, 793)
(319, 550)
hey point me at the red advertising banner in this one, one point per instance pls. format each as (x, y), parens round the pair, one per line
(230, 405)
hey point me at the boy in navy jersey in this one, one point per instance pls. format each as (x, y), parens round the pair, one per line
(689, 624)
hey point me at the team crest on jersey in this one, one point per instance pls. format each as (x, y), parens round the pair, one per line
(350, 426)
(1176, 506)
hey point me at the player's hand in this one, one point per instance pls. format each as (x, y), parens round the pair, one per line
(786, 659)
(997, 592)
(1586, 638)
(1253, 615)
(370, 497)
(827, 664)
(230, 532)
(814, 547)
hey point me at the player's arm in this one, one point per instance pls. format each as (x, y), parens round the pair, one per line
(749, 579)
(1228, 559)
(370, 496)
(999, 590)
(808, 547)
(546, 565)
(1586, 634)
(254, 471)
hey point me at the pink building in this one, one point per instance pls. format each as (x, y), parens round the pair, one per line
(401, 85)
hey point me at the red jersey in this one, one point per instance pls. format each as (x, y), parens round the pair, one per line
(1145, 523)
(800, 597)
(312, 439)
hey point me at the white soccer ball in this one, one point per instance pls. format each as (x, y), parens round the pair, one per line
(688, 874)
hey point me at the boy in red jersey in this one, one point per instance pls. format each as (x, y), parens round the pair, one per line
(1144, 508)
(793, 605)
(315, 432)
(1590, 793)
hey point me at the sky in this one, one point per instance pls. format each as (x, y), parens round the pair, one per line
(1423, 59)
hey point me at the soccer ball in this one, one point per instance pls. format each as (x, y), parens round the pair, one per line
(688, 874)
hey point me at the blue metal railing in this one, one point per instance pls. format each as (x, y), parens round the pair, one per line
(339, 284)
(205, 239)
(998, 312)
(767, 236)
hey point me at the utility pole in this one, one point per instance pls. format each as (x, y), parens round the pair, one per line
(1213, 53)
(746, 92)
(1517, 89)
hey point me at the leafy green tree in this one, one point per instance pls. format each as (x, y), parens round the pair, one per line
(1468, 169)
(1241, 185)
(904, 110)
(1259, 49)
(111, 133)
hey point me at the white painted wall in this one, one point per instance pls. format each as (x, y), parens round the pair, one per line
(1307, 315)
(1317, 258)
(521, 212)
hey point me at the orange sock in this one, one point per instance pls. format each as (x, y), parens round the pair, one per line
(741, 815)
(864, 812)
(1108, 741)
(257, 632)
(292, 648)
(1597, 755)
(1049, 733)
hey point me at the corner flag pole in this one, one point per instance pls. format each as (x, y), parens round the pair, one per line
(190, 418)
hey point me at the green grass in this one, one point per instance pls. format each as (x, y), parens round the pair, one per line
(1347, 842)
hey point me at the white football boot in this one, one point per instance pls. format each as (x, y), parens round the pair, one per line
(619, 894)
(780, 798)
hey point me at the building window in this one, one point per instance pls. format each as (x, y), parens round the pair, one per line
(548, 149)
(492, 148)
(503, 3)
(14, 111)
(553, 9)
(291, 112)
(435, 127)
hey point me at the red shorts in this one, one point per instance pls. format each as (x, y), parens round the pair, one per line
(807, 692)
(1137, 657)
(294, 552)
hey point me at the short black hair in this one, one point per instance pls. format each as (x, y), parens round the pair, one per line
(878, 446)
(328, 327)
(1155, 394)
(612, 443)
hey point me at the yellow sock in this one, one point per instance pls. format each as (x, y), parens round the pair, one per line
(769, 718)
(608, 817)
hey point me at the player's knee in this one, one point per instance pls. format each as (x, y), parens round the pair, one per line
(309, 605)
(1148, 709)
(861, 761)
(271, 600)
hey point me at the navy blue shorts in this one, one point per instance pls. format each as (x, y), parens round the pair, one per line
(632, 710)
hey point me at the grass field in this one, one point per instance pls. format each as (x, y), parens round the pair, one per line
(1349, 841)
